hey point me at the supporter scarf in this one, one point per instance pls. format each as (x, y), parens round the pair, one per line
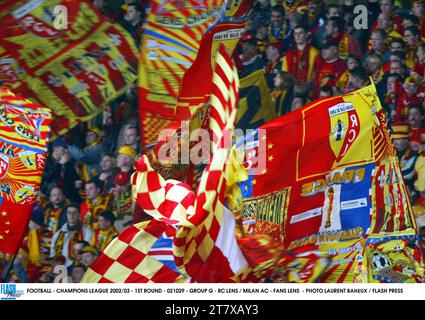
(77, 236)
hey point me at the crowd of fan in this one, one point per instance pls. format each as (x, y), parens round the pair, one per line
(307, 49)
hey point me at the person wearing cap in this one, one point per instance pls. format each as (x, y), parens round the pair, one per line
(89, 157)
(250, 60)
(274, 52)
(94, 204)
(300, 60)
(329, 64)
(120, 194)
(408, 97)
(106, 232)
(59, 171)
(32, 254)
(89, 255)
(347, 44)
(405, 154)
(125, 158)
(71, 232)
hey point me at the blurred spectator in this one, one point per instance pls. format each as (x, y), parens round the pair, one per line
(106, 231)
(89, 256)
(133, 20)
(250, 60)
(89, 157)
(418, 10)
(132, 137)
(397, 45)
(283, 92)
(374, 67)
(387, 8)
(301, 59)
(358, 78)
(410, 20)
(53, 216)
(301, 95)
(329, 65)
(261, 12)
(393, 93)
(102, 7)
(110, 129)
(94, 204)
(60, 171)
(262, 37)
(413, 38)
(121, 195)
(77, 250)
(347, 44)
(408, 97)
(378, 45)
(70, 233)
(325, 92)
(107, 172)
(274, 64)
(278, 26)
(78, 273)
(417, 128)
(385, 23)
(344, 80)
(405, 154)
(321, 34)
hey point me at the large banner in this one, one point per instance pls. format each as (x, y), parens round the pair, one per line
(169, 73)
(332, 181)
(75, 71)
(171, 38)
(24, 133)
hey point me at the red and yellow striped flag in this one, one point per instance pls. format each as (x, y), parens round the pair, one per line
(24, 134)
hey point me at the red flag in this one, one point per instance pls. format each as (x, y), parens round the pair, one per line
(24, 132)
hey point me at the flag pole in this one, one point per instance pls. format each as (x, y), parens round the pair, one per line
(9, 268)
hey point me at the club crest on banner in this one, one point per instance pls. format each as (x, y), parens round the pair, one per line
(345, 128)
